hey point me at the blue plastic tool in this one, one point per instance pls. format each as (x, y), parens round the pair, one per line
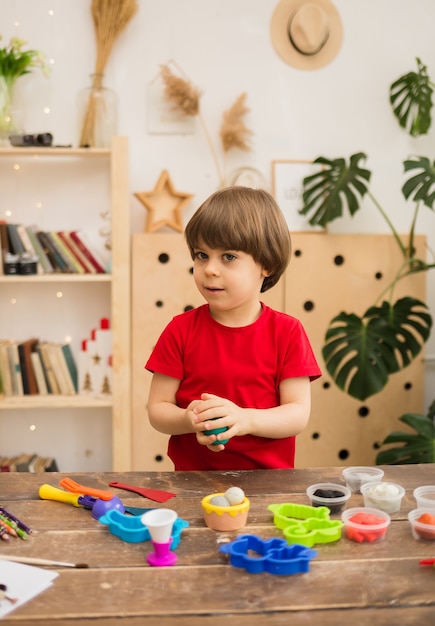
(274, 556)
(132, 530)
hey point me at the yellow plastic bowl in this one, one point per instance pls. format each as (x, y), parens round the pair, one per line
(224, 517)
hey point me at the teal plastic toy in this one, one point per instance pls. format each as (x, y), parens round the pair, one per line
(132, 530)
(216, 431)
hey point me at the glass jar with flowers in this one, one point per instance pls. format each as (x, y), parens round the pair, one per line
(14, 62)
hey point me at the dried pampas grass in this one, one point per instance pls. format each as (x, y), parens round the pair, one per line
(184, 97)
(234, 133)
(180, 93)
(110, 18)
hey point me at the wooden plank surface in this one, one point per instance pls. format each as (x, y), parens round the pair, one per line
(373, 583)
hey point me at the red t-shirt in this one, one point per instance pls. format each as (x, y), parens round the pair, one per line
(244, 365)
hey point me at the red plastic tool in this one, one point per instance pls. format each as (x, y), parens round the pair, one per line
(152, 494)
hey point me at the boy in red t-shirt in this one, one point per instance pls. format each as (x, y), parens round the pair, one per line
(233, 363)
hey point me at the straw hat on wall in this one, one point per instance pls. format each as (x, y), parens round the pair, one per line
(306, 34)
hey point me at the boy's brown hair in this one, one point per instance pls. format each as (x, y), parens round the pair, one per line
(245, 219)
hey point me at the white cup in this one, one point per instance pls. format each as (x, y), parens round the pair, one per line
(159, 522)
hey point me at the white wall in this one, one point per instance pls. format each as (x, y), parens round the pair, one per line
(225, 49)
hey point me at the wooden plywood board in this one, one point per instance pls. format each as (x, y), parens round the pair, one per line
(327, 274)
(334, 273)
(162, 286)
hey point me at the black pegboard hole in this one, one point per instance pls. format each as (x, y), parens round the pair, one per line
(407, 386)
(377, 445)
(315, 436)
(190, 270)
(343, 455)
(163, 257)
(339, 259)
(326, 385)
(159, 304)
(308, 305)
(298, 252)
(188, 307)
(363, 411)
(379, 275)
(158, 458)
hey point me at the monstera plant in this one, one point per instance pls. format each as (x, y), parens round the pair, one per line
(361, 352)
(411, 447)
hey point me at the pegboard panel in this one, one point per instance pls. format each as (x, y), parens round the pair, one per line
(327, 274)
(333, 273)
(162, 286)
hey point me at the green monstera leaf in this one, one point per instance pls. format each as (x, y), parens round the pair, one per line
(336, 186)
(421, 186)
(418, 447)
(411, 99)
(361, 353)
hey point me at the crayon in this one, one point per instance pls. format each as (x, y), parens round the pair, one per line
(14, 527)
(7, 527)
(4, 534)
(21, 524)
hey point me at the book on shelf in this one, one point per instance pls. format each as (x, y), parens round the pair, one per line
(4, 244)
(60, 369)
(56, 260)
(16, 246)
(28, 463)
(15, 367)
(81, 258)
(52, 384)
(90, 251)
(41, 382)
(27, 372)
(70, 259)
(29, 247)
(5, 368)
(25, 461)
(44, 261)
(71, 365)
(68, 267)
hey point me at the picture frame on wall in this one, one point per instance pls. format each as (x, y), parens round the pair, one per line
(287, 178)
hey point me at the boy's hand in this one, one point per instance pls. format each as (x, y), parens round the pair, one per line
(214, 412)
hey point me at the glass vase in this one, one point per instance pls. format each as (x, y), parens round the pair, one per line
(97, 114)
(8, 124)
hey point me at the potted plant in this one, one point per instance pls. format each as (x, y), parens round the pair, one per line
(14, 62)
(362, 351)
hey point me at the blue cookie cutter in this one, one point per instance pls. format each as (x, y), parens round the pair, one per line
(132, 530)
(274, 556)
(305, 524)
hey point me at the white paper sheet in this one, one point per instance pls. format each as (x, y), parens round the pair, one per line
(23, 582)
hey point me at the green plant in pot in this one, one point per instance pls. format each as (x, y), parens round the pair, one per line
(361, 352)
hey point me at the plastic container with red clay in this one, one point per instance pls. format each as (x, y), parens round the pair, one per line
(365, 525)
(422, 524)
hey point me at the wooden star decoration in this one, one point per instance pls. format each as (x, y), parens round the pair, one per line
(164, 205)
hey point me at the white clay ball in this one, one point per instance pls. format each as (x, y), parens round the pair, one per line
(235, 495)
(220, 501)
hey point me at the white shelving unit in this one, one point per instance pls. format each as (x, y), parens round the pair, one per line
(69, 188)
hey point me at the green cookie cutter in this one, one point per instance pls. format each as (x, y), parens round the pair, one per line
(306, 525)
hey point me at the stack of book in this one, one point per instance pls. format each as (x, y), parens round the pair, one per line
(64, 251)
(36, 367)
(28, 463)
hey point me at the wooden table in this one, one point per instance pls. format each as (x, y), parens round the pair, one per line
(348, 583)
